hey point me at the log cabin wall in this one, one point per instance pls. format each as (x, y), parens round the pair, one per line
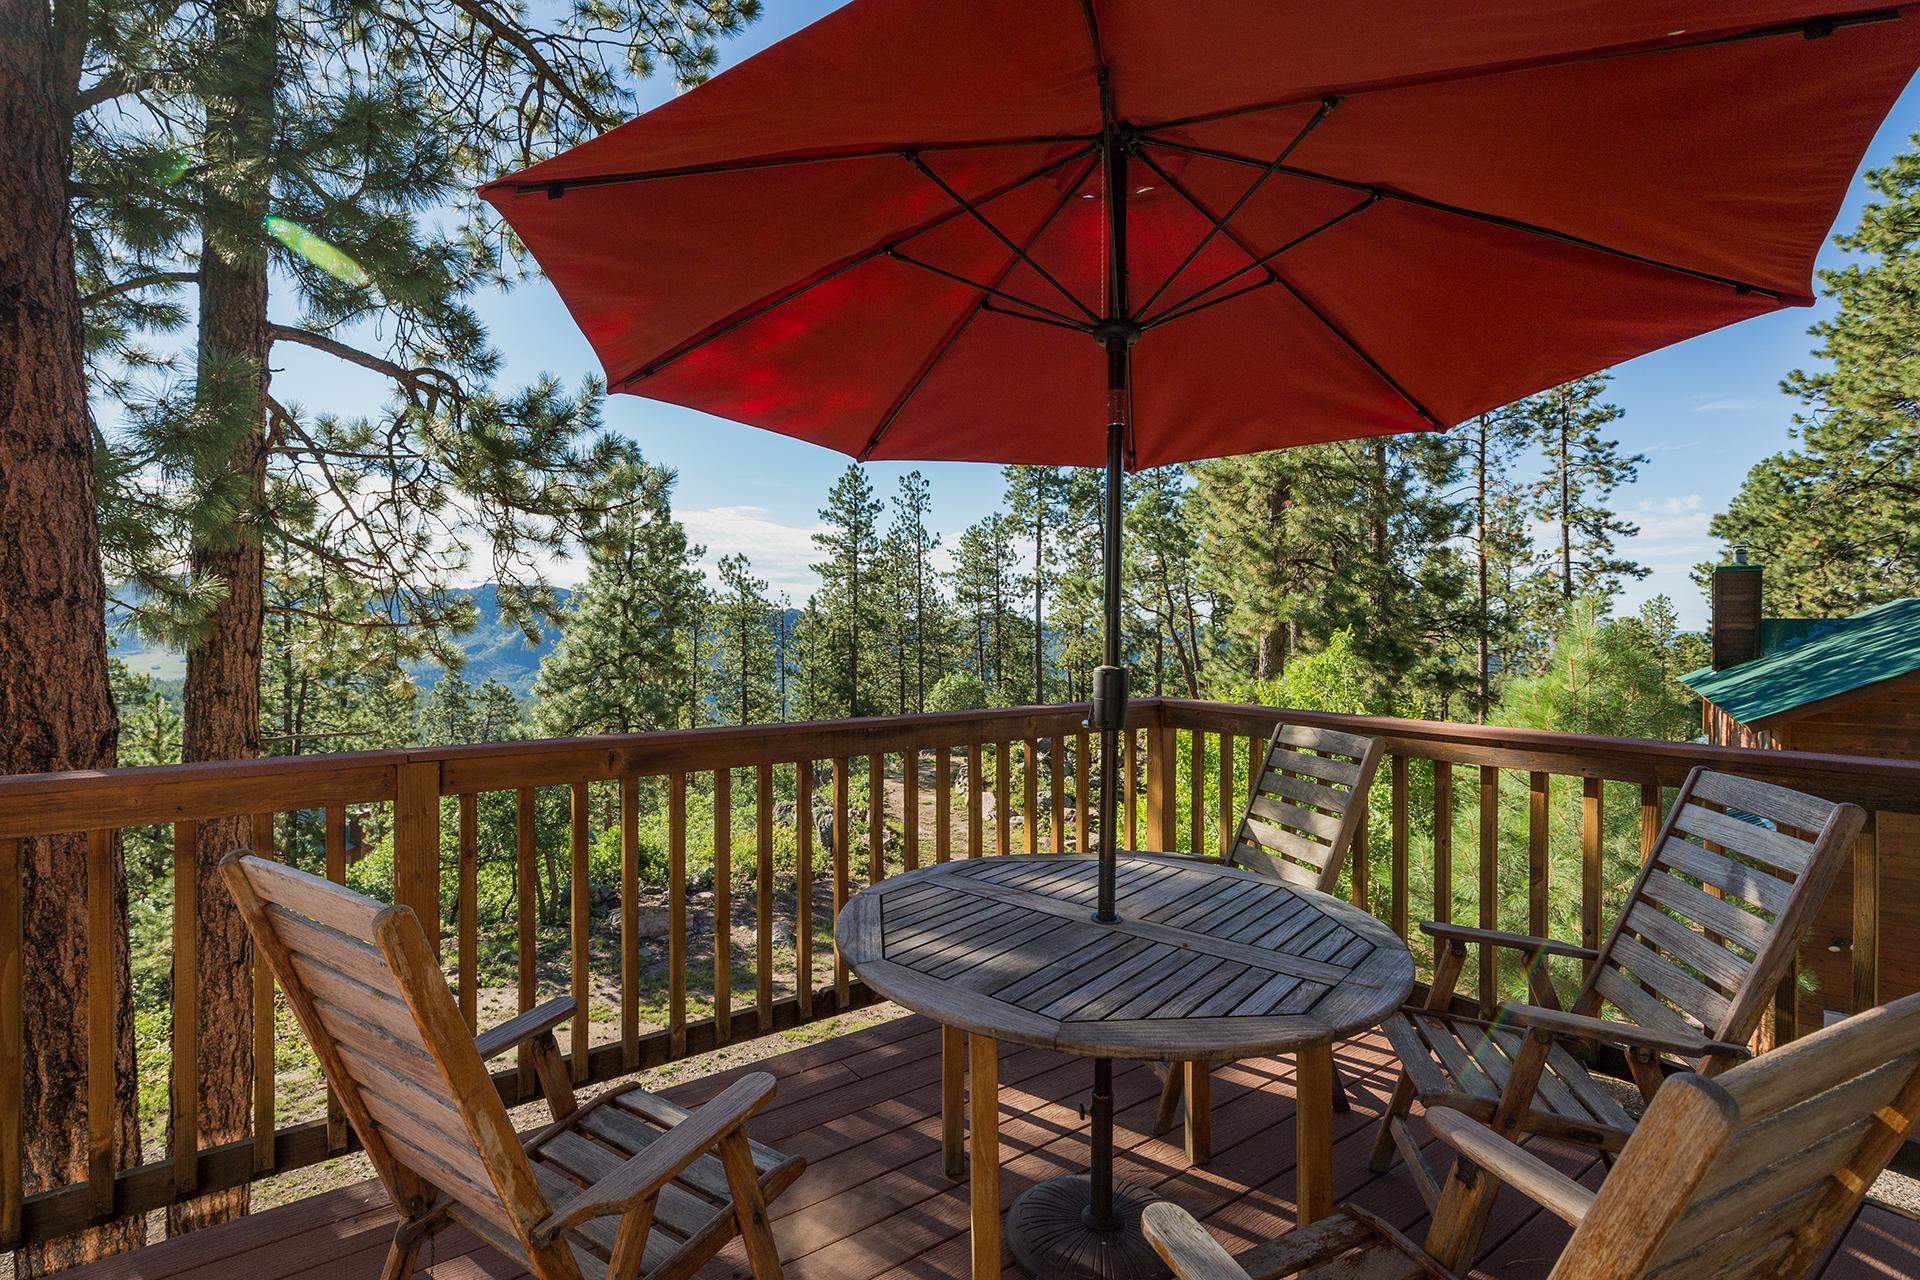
(1884, 722)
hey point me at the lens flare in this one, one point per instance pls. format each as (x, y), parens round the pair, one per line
(314, 249)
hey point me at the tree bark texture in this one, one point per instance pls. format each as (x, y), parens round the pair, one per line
(55, 703)
(222, 696)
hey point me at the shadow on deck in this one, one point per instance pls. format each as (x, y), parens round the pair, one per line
(864, 1110)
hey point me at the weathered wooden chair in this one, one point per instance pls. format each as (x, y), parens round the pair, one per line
(1299, 826)
(620, 1187)
(1746, 1176)
(1709, 928)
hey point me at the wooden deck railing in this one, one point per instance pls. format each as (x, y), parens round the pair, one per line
(1182, 777)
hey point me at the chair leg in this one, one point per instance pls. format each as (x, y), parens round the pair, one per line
(750, 1207)
(1171, 1090)
(1399, 1108)
(404, 1252)
(1453, 1238)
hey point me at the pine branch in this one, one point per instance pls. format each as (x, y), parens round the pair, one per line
(426, 380)
(139, 282)
(513, 34)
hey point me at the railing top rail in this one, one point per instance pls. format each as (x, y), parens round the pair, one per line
(35, 804)
(1872, 782)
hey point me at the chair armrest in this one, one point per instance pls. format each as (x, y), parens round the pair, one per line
(518, 1030)
(1516, 1166)
(1580, 1026)
(645, 1172)
(1514, 941)
(1185, 1245)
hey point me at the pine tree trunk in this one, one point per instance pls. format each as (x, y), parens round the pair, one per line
(55, 703)
(1039, 589)
(1270, 655)
(1480, 565)
(222, 694)
(1566, 503)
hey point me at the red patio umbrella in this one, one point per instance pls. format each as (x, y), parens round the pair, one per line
(1135, 232)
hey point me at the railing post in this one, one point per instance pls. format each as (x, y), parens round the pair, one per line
(11, 1048)
(1163, 810)
(1866, 917)
(416, 843)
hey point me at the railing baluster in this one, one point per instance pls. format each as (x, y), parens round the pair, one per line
(1537, 864)
(263, 1028)
(12, 1046)
(1224, 780)
(467, 898)
(763, 898)
(677, 913)
(1129, 764)
(1196, 792)
(910, 808)
(526, 891)
(722, 905)
(803, 885)
(843, 992)
(580, 932)
(1489, 883)
(416, 843)
(1256, 760)
(1082, 793)
(185, 1098)
(1002, 791)
(1058, 775)
(876, 818)
(1030, 796)
(1443, 840)
(1866, 916)
(942, 803)
(1361, 860)
(1592, 833)
(630, 922)
(1649, 818)
(976, 807)
(1399, 873)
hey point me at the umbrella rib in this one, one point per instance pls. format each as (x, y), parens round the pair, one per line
(1103, 75)
(1491, 219)
(1058, 316)
(973, 312)
(1002, 236)
(1809, 29)
(555, 189)
(1326, 321)
(860, 259)
(1253, 188)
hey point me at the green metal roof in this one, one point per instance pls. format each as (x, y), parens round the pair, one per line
(1806, 660)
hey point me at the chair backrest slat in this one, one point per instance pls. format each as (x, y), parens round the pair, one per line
(1713, 920)
(1753, 1173)
(368, 991)
(1307, 804)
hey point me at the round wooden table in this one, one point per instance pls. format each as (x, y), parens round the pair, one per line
(1206, 963)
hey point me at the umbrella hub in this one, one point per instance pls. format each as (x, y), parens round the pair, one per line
(1116, 329)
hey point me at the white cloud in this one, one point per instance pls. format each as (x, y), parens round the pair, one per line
(781, 553)
(1739, 404)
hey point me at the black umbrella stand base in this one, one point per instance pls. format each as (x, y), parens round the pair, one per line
(1051, 1239)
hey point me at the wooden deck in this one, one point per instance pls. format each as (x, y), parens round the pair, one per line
(864, 1110)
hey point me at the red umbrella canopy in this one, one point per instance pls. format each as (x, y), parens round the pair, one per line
(887, 233)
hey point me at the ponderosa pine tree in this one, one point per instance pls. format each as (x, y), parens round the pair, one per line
(1161, 577)
(288, 163)
(1033, 497)
(56, 701)
(1583, 468)
(920, 628)
(745, 678)
(1836, 519)
(851, 543)
(1501, 545)
(620, 665)
(985, 584)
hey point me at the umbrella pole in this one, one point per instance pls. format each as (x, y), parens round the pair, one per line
(1088, 1228)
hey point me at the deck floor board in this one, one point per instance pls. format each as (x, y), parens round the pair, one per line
(874, 1205)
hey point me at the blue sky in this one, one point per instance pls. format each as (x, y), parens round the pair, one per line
(1703, 412)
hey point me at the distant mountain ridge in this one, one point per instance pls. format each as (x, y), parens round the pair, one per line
(495, 648)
